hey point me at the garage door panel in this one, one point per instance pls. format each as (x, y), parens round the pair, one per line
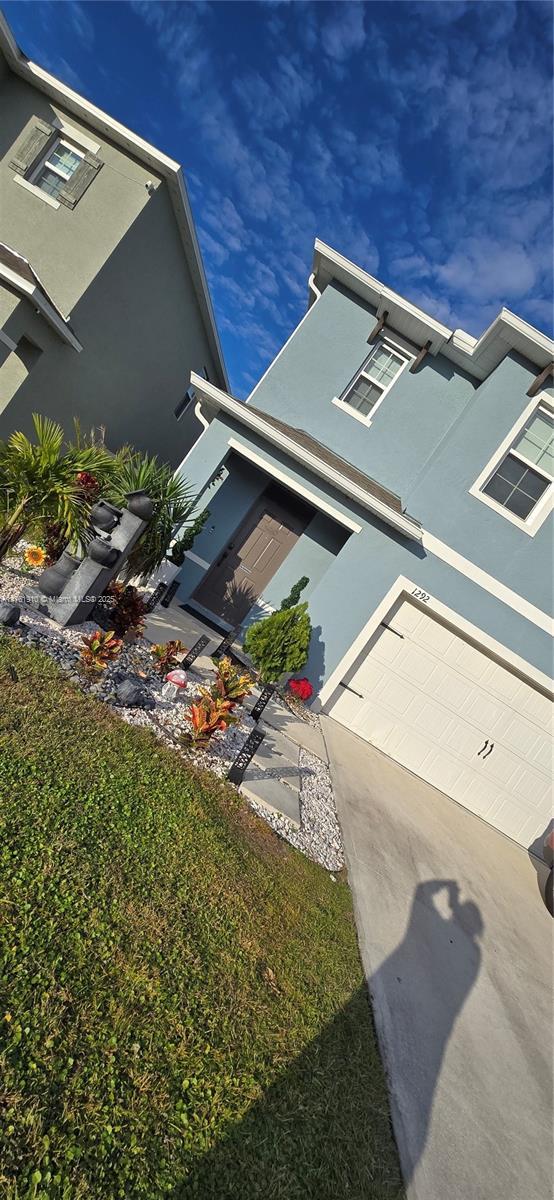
(446, 711)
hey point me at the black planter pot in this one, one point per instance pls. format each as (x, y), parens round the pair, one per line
(54, 578)
(105, 516)
(102, 553)
(140, 505)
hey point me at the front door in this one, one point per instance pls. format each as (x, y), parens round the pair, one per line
(250, 559)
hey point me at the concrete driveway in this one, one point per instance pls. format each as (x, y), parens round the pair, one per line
(457, 948)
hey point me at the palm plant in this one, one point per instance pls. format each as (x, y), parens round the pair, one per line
(39, 482)
(173, 502)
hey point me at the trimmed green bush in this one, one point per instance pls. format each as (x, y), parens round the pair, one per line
(279, 644)
(294, 595)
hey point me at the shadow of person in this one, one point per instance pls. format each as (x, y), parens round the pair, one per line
(418, 992)
(541, 856)
(321, 1131)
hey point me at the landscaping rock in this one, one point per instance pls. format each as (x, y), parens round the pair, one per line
(9, 614)
(131, 693)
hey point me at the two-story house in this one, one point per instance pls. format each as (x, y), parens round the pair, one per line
(104, 304)
(406, 469)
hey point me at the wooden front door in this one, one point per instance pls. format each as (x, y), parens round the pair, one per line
(251, 558)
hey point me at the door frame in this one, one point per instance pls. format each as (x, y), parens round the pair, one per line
(404, 589)
(259, 504)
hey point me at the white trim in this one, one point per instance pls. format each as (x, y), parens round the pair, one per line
(221, 400)
(406, 589)
(545, 505)
(362, 373)
(7, 341)
(75, 135)
(40, 302)
(279, 353)
(276, 473)
(195, 558)
(352, 412)
(36, 191)
(525, 609)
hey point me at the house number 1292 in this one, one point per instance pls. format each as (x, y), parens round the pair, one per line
(419, 595)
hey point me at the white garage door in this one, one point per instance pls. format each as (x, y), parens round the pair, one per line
(469, 726)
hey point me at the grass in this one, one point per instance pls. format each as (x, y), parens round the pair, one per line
(182, 1011)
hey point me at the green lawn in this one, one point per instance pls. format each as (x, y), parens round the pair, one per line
(181, 998)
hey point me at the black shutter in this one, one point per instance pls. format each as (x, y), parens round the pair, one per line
(32, 145)
(76, 186)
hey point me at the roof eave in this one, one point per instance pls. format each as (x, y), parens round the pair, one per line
(478, 356)
(218, 400)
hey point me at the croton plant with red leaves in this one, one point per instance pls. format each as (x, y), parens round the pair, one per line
(88, 485)
(301, 688)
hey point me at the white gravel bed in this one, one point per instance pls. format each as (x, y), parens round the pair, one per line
(319, 835)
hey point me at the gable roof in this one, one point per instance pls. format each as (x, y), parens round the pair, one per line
(144, 152)
(478, 356)
(314, 455)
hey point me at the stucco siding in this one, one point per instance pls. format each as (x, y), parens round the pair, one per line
(353, 581)
(116, 265)
(369, 565)
(317, 365)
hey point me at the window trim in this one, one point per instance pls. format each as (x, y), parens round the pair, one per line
(545, 504)
(390, 343)
(44, 161)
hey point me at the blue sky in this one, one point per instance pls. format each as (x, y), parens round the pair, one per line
(415, 138)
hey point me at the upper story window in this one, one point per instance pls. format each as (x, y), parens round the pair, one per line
(56, 167)
(55, 161)
(519, 480)
(370, 386)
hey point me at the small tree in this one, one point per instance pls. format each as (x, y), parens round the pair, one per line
(294, 594)
(279, 644)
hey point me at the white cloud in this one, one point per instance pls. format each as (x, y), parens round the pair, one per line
(343, 33)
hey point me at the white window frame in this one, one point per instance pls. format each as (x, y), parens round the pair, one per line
(390, 343)
(44, 161)
(545, 505)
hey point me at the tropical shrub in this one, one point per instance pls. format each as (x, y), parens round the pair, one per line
(39, 482)
(173, 503)
(165, 655)
(124, 608)
(206, 717)
(279, 644)
(99, 649)
(294, 595)
(230, 684)
(186, 541)
(301, 688)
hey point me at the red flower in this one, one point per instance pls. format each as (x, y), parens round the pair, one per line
(301, 688)
(88, 484)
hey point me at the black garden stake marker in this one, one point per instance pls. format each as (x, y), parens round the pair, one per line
(156, 596)
(245, 754)
(170, 593)
(194, 651)
(261, 702)
(226, 644)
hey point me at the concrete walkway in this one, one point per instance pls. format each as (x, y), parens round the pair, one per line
(274, 775)
(457, 950)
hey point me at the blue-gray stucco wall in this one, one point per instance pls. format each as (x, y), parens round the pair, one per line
(429, 441)
(318, 363)
(346, 587)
